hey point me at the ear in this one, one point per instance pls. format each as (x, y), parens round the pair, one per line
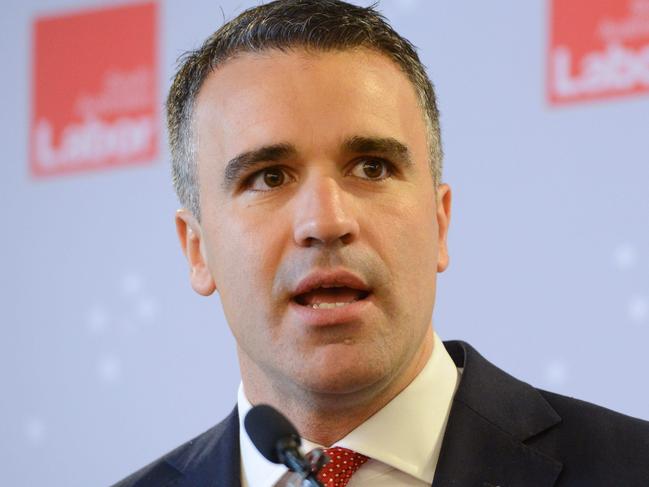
(443, 220)
(192, 243)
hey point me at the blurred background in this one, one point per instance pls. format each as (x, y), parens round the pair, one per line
(108, 359)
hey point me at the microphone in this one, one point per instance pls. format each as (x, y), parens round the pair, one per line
(279, 442)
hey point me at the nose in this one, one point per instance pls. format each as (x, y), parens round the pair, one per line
(324, 214)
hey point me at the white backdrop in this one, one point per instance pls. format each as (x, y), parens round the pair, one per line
(108, 359)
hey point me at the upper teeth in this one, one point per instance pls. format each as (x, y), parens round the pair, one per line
(328, 305)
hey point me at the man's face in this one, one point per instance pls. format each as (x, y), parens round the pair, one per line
(321, 227)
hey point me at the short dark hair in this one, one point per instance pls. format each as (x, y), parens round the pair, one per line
(319, 25)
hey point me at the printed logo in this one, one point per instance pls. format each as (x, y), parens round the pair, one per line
(94, 90)
(598, 49)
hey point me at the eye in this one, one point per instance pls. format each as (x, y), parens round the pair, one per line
(372, 169)
(267, 179)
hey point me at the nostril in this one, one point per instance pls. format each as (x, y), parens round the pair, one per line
(315, 227)
(347, 238)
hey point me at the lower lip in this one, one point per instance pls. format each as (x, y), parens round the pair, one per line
(331, 316)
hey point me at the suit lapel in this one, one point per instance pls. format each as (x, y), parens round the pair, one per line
(211, 460)
(492, 416)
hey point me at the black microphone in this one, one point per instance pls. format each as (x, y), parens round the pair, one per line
(278, 441)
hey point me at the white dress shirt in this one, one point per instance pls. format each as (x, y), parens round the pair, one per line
(402, 440)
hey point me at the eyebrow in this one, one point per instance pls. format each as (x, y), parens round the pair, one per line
(387, 146)
(249, 159)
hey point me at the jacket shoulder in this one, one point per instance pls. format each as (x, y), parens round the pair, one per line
(169, 467)
(573, 442)
(602, 423)
(595, 440)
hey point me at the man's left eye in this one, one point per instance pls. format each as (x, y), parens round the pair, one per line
(375, 169)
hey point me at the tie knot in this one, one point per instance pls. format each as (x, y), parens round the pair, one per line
(341, 467)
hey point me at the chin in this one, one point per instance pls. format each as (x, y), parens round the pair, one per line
(343, 373)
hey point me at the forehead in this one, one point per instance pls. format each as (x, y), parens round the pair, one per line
(305, 98)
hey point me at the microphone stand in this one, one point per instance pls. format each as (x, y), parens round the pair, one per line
(303, 471)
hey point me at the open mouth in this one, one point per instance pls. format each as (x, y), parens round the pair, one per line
(330, 296)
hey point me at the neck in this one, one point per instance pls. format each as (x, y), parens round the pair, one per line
(322, 417)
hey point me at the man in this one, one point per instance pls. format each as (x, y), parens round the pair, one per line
(307, 157)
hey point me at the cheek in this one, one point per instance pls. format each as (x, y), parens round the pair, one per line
(244, 263)
(409, 247)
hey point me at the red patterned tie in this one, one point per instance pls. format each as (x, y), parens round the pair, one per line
(342, 466)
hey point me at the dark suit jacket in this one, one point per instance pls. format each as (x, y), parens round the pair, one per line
(501, 433)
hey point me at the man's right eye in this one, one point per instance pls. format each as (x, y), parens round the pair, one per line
(267, 179)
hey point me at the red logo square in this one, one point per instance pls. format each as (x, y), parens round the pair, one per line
(598, 49)
(94, 89)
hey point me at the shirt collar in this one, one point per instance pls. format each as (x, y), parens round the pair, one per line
(405, 434)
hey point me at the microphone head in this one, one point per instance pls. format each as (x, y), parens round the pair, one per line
(266, 426)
